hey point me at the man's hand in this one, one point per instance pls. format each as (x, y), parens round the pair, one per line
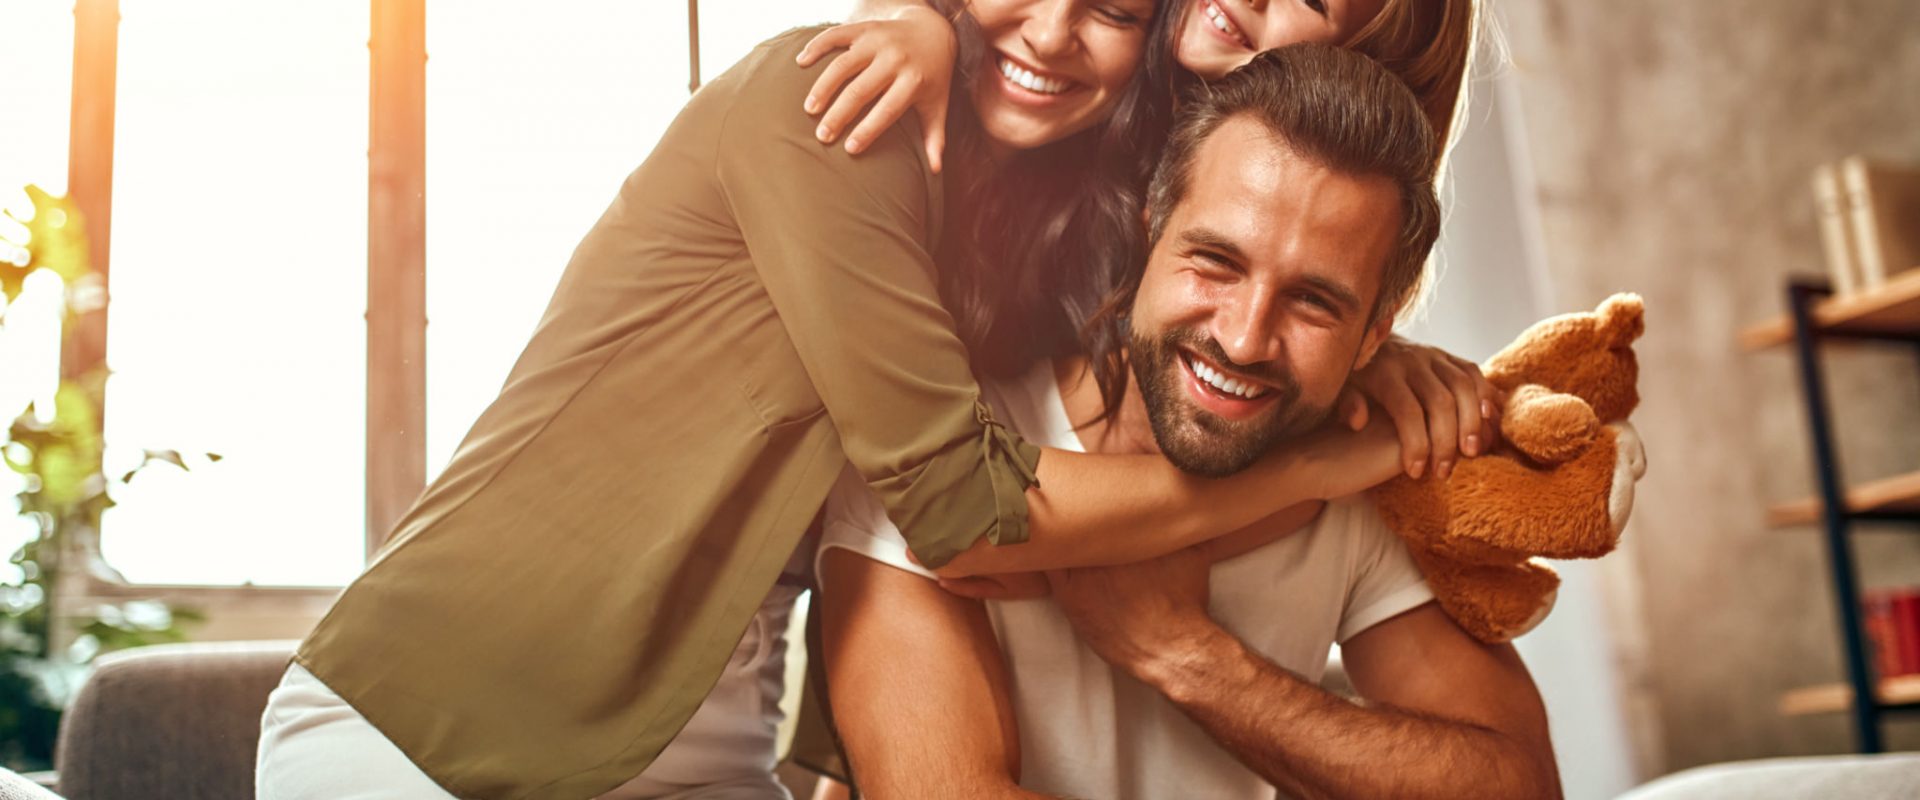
(1134, 613)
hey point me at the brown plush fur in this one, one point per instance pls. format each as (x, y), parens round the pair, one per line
(1544, 491)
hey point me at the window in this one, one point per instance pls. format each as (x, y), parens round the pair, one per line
(240, 230)
(532, 123)
(238, 287)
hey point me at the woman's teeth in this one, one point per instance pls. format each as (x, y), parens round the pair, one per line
(1232, 386)
(1224, 23)
(1031, 82)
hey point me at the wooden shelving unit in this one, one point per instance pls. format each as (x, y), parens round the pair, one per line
(1836, 697)
(1898, 495)
(1890, 312)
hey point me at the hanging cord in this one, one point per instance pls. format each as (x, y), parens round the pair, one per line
(693, 46)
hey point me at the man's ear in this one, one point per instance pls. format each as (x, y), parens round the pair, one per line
(1377, 333)
(1146, 219)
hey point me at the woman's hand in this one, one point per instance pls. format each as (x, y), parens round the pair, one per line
(906, 62)
(1440, 404)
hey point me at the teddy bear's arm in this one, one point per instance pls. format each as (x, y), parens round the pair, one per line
(1549, 426)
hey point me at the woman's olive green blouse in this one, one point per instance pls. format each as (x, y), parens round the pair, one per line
(754, 312)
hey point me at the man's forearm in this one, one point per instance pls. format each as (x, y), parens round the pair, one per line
(1311, 743)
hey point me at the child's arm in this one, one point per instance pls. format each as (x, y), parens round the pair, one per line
(899, 56)
(1101, 510)
(1028, 585)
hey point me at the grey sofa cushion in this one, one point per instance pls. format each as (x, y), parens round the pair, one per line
(169, 721)
(1890, 775)
(14, 786)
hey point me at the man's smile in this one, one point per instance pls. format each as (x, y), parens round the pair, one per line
(1226, 395)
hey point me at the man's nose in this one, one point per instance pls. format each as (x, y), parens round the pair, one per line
(1049, 29)
(1248, 331)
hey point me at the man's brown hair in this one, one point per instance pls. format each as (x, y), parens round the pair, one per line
(1335, 108)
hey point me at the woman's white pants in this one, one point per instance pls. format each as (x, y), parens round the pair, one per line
(313, 746)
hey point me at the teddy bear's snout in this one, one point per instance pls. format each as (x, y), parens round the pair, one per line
(1629, 465)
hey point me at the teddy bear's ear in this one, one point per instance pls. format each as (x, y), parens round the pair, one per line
(1622, 318)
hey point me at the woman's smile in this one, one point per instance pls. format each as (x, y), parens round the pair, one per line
(1033, 86)
(1057, 67)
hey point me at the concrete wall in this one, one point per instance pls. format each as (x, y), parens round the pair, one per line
(1671, 146)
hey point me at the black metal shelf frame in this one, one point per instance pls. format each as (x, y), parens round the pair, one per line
(1866, 711)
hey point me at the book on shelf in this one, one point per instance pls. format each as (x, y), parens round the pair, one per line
(1882, 204)
(1890, 618)
(1830, 210)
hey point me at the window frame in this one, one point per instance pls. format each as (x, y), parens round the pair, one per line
(396, 297)
(396, 302)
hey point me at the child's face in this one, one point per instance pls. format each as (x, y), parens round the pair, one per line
(1219, 35)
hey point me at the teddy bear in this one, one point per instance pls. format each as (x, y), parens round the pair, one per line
(1559, 485)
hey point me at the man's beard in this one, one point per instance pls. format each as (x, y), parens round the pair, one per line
(1196, 440)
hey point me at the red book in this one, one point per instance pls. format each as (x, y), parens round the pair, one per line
(1906, 619)
(1883, 634)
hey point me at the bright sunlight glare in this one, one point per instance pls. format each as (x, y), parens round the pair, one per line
(239, 239)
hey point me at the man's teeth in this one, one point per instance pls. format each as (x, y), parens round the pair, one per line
(1030, 81)
(1220, 21)
(1233, 386)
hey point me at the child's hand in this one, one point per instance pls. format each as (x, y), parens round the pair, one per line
(906, 62)
(1440, 404)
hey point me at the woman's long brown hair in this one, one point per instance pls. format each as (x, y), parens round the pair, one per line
(1035, 244)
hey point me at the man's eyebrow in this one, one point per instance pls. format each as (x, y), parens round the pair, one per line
(1208, 238)
(1339, 292)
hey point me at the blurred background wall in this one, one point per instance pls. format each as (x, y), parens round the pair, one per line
(1671, 147)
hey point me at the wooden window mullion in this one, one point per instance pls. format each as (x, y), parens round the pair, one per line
(96, 44)
(396, 265)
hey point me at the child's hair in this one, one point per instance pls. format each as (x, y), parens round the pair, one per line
(1429, 46)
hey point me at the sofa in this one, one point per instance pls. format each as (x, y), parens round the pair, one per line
(169, 721)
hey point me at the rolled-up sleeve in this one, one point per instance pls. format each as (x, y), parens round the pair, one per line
(843, 246)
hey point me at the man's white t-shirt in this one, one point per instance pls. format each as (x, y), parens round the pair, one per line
(1087, 730)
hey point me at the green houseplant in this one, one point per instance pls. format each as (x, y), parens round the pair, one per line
(57, 456)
